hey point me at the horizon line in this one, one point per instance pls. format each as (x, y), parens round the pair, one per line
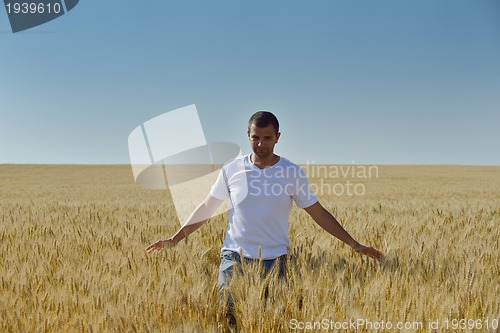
(360, 164)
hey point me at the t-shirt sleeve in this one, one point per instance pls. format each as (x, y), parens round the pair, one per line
(303, 195)
(219, 190)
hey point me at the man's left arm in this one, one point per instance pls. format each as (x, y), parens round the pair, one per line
(328, 222)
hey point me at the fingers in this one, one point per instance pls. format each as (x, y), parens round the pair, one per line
(370, 252)
(157, 246)
(373, 253)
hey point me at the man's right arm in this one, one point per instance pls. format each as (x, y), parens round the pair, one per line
(199, 216)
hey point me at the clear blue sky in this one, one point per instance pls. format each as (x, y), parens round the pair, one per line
(377, 82)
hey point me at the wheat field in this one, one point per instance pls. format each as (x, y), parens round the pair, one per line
(73, 239)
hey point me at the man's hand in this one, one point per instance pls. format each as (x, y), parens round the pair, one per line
(368, 251)
(197, 218)
(159, 245)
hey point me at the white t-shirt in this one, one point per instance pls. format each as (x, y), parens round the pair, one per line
(261, 200)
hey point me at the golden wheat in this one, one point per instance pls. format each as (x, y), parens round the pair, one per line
(72, 257)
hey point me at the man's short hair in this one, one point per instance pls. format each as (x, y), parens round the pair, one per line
(263, 119)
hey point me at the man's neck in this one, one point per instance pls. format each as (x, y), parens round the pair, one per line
(263, 163)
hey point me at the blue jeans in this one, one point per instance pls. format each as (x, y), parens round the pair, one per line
(229, 259)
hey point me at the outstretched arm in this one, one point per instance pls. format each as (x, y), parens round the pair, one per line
(199, 216)
(328, 222)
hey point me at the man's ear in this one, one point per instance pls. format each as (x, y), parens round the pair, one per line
(278, 136)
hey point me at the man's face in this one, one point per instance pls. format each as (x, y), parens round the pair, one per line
(262, 140)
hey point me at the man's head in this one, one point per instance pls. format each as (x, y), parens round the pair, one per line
(263, 119)
(263, 133)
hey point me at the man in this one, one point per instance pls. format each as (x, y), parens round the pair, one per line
(261, 187)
